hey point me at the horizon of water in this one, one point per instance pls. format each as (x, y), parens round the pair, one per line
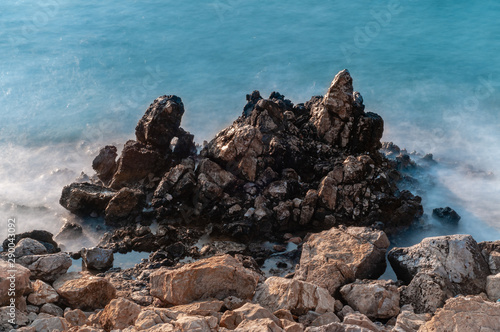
(77, 76)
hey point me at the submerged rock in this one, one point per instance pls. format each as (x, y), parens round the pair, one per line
(447, 214)
(84, 199)
(97, 258)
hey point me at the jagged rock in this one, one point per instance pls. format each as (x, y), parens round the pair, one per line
(408, 321)
(125, 206)
(194, 323)
(105, 163)
(426, 292)
(52, 309)
(358, 319)
(291, 326)
(248, 312)
(262, 324)
(214, 277)
(42, 293)
(215, 173)
(325, 319)
(75, 317)
(491, 253)
(377, 299)
(161, 122)
(297, 296)
(136, 162)
(333, 258)
(50, 324)
(97, 258)
(456, 258)
(46, 267)
(202, 308)
(447, 214)
(339, 327)
(493, 287)
(184, 147)
(86, 292)
(470, 313)
(119, 314)
(84, 199)
(28, 246)
(70, 231)
(8, 313)
(41, 236)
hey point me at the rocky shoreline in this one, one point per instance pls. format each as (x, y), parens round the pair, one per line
(308, 187)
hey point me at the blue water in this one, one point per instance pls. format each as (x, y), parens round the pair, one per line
(77, 75)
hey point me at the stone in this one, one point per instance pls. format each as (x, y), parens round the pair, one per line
(333, 258)
(21, 281)
(28, 246)
(408, 321)
(195, 323)
(446, 214)
(491, 253)
(52, 309)
(358, 319)
(160, 124)
(377, 299)
(493, 287)
(297, 296)
(215, 277)
(42, 293)
(470, 313)
(262, 324)
(83, 199)
(136, 162)
(70, 231)
(215, 173)
(119, 314)
(46, 267)
(96, 258)
(125, 206)
(8, 313)
(75, 317)
(249, 311)
(50, 324)
(426, 292)
(104, 163)
(203, 308)
(325, 319)
(83, 291)
(339, 327)
(456, 258)
(291, 326)
(41, 236)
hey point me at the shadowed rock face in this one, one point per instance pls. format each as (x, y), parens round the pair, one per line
(279, 167)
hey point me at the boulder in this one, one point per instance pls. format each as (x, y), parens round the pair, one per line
(50, 324)
(161, 122)
(340, 327)
(491, 253)
(202, 308)
(426, 292)
(262, 324)
(214, 277)
(358, 319)
(42, 293)
(446, 214)
(75, 317)
(409, 321)
(105, 163)
(119, 314)
(136, 162)
(297, 296)
(96, 258)
(28, 246)
(13, 272)
(196, 323)
(493, 287)
(124, 207)
(470, 313)
(84, 199)
(248, 312)
(456, 258)
(84, 291)
(41, 236)
(70, 231)
(46, 267)
(8, 313)
(325, 319)
(333, 258)
(52, 309)
(377, 299)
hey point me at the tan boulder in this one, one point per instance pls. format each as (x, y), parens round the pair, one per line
(214, 277)
(333, 258)
(147, 318)
(297, 296)
(119, 314)
(339, 327)
(249, 311)
(52, 309)
(470, 313)
(28, 246)
(50, 324)
(259, 325)
(358, 319)
(84, 291)
(426, 292)
(42, 293)
(325, 319)
(377, 299)
(13, 272)
(203, 308)
(75, 317)
(493, 287)
(409, 321)
(46, 267)
(186, 323)
(9, 314)
(165, 327)
(291, 326)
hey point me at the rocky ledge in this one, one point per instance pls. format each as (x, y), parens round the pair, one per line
(304, 184)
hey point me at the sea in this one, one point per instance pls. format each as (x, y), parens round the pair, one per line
(78, 75)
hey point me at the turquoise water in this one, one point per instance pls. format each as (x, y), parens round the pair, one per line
(77, 75)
